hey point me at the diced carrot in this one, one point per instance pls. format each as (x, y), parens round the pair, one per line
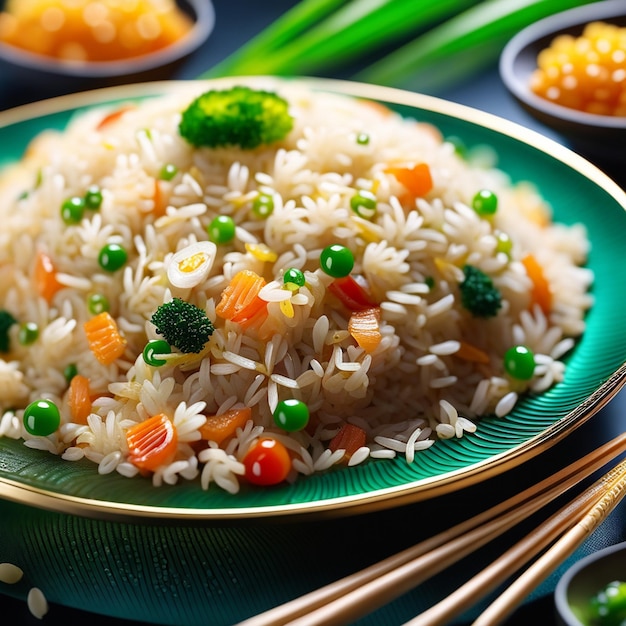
(152, 443)
(159, 198)
(379, 107)
(536, 214)
(364, 326)
(417, 180)
(352, 295)
(79, 399)
(349, 438)
(471, 353)
(112, 117)
(240, 300)
(104, 338)
(541, 292)
(218, 428)
(45, 277)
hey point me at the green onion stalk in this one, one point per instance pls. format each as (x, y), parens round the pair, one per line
(318, 35)
(424, 45)
(460, 46)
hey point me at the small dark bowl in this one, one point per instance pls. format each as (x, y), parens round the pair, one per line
(585, 579)
(30, 77)
(599, 137)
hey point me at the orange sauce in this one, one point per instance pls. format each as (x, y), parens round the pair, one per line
(587, 73)
(92, 30)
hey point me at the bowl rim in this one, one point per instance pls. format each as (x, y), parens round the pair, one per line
(560, 592)
(202, 27)
(545, 27)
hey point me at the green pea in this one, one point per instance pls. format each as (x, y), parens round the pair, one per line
(362, 139)
(294, 276)
(93, 198)
(221, 229)
(70, 371)
(608, 606)
(485, 203)
(72, 210)
(263, 205)
(168, 171)
(460, 148)
(28, 333)
(503, 243)
(337, 261)
(363, 203)
(112, 257)
(519, 362)
(41, 418)
(291, 415)
(153, 348)
(430, 282)
(97, 303)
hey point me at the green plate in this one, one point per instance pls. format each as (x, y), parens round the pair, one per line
(577, 191)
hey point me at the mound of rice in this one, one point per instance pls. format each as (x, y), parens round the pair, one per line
(419, 384)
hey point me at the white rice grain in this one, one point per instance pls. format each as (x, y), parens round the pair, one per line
(302, 468)
(448, 414)
(441, 306)
(506, 404)
(75, 282)
(327, 459)
(240, 361)
(10, 574)
(272, 395)
(392, 444)
(467, 425)
(401, 297)
(37, 603)
(73, 453)
(410, 445)
(224, 369)
(109, 462)
(445, 348)
(359, 456)
(445, 431)
(284, 381)
(383, 454)
(442, 382)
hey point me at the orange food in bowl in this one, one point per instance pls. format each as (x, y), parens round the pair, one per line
(586, 73)
(92, 30)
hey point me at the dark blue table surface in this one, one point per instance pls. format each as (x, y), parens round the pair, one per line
(235, 24)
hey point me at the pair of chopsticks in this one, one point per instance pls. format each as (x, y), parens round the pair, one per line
(358, 594)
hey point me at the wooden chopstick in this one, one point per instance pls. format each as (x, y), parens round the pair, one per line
(357, 594)
(592, 505)
(563, 548)
(390, 585)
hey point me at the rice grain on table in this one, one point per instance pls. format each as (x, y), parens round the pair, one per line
(416, 385)
(37, 603)
(10, 574)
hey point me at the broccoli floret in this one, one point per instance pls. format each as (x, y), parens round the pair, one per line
(6, 321)
(183, 325)
(239, 116)
(478, 293)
